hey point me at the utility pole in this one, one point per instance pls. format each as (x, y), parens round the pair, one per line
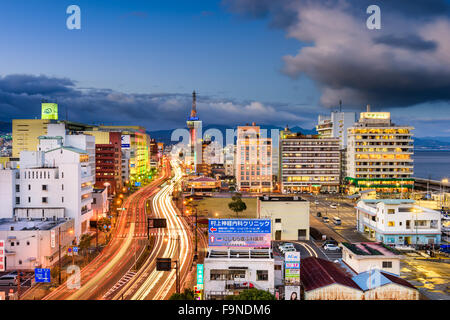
(196, 231)
(18, 284)
(59, 255)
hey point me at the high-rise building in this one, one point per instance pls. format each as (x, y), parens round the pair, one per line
(108, 160)
(53, 182)
(137, 142)
(336, 125)
(25, 134)
(308, 163)
(253, 160)
(194, 125)
(379, 155)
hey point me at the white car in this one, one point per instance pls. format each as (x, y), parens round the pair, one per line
(334, 206)
(316, 202)
(284, 250)
(331, 247)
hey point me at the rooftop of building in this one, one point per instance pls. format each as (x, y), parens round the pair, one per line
(244, 253)
(371, 249)
(375, 278)
(73, 149)
(318, 273)
(29, 225)
(98, 190)
(280, 198)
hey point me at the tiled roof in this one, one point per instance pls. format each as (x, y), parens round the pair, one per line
(317, 273)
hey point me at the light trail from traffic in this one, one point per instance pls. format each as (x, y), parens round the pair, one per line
(157, 284)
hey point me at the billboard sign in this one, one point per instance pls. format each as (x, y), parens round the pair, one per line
(292, 267)
(49, 111)
(2, 256)
(200, 276)
(52, 238)
(41, 275)
(239, 233)
(126, 141)
(292, 293)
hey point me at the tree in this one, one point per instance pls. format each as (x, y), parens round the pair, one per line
(237, 205)
(85, 243)
(188, 294)
(252, 294)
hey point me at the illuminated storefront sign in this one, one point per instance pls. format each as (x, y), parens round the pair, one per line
(239, 233)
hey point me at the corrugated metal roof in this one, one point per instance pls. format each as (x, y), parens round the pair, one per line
(375, 278)
(317, 273)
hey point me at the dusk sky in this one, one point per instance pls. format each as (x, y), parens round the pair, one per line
(273, 62)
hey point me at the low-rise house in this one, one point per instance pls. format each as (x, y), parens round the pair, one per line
(34, 243)
(364, 256)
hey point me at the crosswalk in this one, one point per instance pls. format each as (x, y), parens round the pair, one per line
(127, 277)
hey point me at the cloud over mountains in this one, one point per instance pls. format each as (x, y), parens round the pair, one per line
(21, 95)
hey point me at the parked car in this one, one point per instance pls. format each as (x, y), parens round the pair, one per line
(8, 280)
(325, 219)
(288, 250)
(330, 241)
(333, 206)
(316, 202)
(331, 247)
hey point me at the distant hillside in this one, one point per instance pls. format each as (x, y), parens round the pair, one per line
(165, 135)
(5, 127)
(432, 143)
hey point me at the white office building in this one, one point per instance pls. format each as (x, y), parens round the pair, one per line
(229, 271)
(398, 222)
(59, 175)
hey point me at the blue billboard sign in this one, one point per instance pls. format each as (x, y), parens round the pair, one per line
(137, 184)
(41, 275)
(239, 233)
(200, 275)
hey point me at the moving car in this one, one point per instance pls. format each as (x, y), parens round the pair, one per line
(334, 206)
(316, 202)
(331, 247)
(325, 219)
(337, 221)
(8, 280)
(319, 214)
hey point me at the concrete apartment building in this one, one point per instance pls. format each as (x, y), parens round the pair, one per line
(26, 133)
(379, 155)
(308, 163)
(398, 222)
(60, 174)
(289, 216)
(230, 271)
(253, 160)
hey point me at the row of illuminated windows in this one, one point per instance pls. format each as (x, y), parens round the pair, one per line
(307, 178)
(382, 156)
(379, 131)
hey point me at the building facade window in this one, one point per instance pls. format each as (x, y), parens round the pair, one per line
(262, 275)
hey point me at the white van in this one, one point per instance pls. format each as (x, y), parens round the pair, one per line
(337, 221)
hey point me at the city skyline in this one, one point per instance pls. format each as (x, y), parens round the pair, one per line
(283, 69)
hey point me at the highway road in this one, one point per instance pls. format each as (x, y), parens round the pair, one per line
(120, 254)
(175, 242)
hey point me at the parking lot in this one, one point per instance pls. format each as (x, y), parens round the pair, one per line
(309, 249)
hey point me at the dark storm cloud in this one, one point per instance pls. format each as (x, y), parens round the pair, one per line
(409, 41)
(21, 95)
(405, 63)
